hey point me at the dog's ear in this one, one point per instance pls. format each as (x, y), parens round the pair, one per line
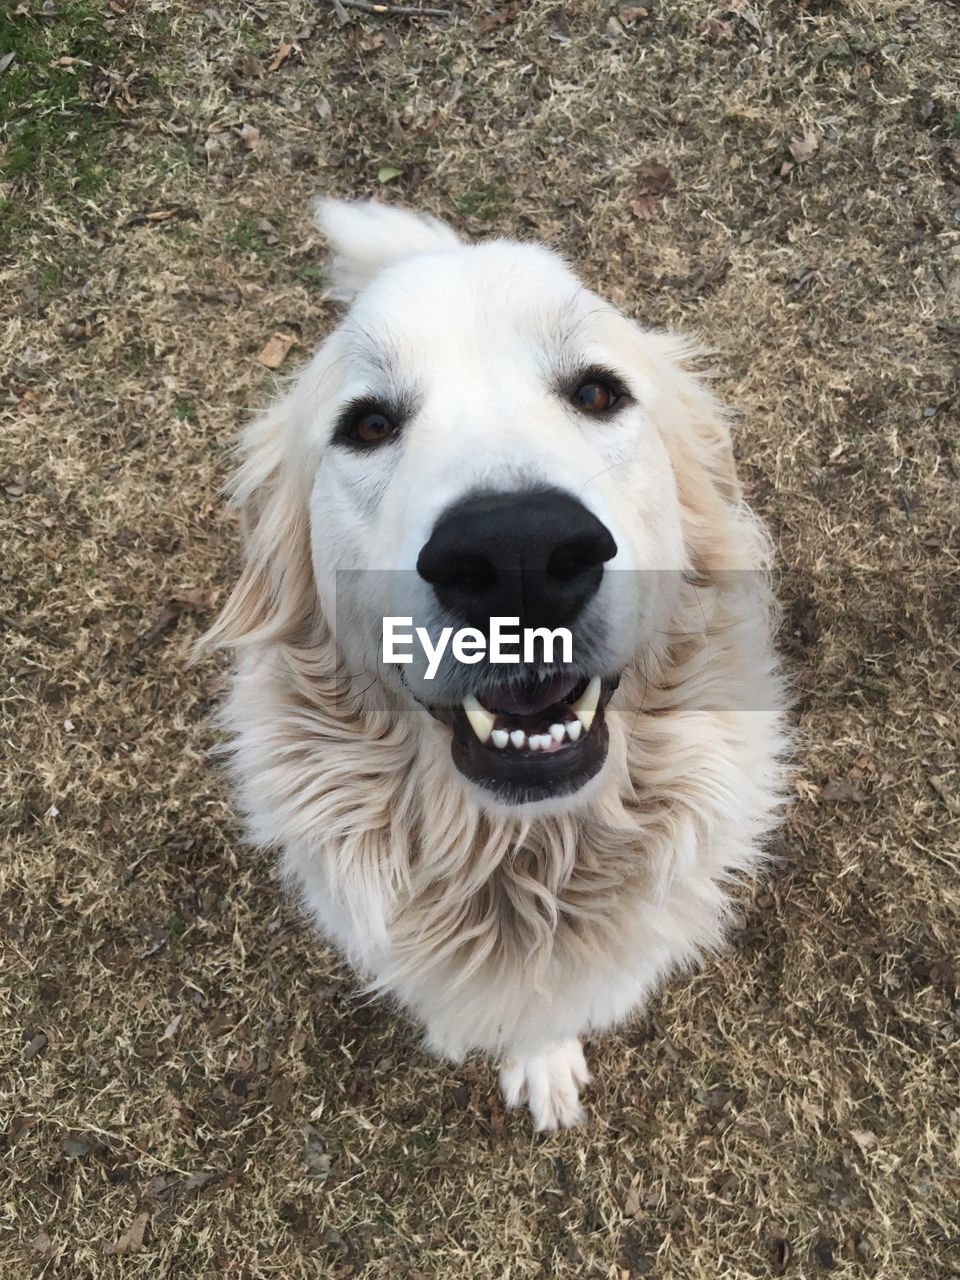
(719, 530)
(698, 426)
(275, 598)
(365, 237)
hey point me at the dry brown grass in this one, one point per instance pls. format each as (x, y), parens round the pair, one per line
(794, 1108)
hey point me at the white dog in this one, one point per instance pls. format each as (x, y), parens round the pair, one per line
(517, 854)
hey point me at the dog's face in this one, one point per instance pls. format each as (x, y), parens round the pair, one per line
(482, 438)
(484, 449)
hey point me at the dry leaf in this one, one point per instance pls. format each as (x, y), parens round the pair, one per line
(782, 1252)
(213, 146)
(196, 598)
(805, 148)
(823, 1252)
(712, 275)
(940, 972)
(161, 1187)
(951, 800)
(36, 1044)
(42, 1244)
(864, 1139)
(77, 1145)
(314, 1155)
(280, 57)
(841, 792)
(654, 178)
(644, 208)
(197, 1181)
(717, 30)
(631, 1203)
(276, 351)
(132, 1238)
(165, 621)
(250, 136)
(498, 19)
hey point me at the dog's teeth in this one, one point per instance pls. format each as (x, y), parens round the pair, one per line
(518, 738)
(573, 729)
(585, 708)
(500, 738)
(557, 732)
(533, 742)
(481, 721)
(540, 742)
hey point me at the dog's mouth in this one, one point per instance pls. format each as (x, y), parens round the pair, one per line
(536, 741)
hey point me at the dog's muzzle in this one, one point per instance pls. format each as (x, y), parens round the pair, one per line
(537, 557)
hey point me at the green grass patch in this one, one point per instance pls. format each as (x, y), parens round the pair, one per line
(254, 38)
(182, 232)
(426, 1139)
(175, 927)
(58, 105)
(51, 113)
(310, 273)
(244, 238)
(174, 158)
(485, 203)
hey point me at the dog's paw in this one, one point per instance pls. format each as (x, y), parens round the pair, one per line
(550, 1082)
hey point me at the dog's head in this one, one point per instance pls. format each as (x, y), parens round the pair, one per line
(482, 438)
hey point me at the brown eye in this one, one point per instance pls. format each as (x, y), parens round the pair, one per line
(373, 428)
(595, 396)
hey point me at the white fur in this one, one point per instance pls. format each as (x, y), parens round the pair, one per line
(509, 931)
(550, 1082)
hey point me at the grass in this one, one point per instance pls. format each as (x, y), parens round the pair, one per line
(186, 410)
(485, 203)
(244, 237)
(791, 1109)
(55, 116)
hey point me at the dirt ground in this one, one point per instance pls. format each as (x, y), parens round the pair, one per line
(188, 1085)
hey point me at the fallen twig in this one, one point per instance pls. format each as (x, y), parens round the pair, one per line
(394, 10)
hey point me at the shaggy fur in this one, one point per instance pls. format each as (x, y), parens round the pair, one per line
(512, 932)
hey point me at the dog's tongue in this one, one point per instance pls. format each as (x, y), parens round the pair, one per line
(527, 701)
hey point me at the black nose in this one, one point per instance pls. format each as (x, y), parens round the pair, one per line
(534, 556)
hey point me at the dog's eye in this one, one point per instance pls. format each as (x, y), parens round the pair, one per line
(372, 428)
(595, 396)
